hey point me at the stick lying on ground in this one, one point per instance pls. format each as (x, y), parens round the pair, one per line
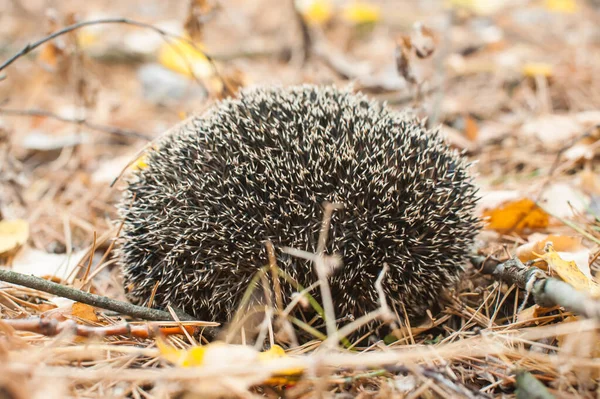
(547, 291)
(98, 301)
(52, 327)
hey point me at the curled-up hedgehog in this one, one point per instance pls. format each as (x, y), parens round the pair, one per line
(259, 168)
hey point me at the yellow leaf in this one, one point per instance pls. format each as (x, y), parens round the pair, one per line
(87, 37)
(517, 216)
(275, 352)
(564, 6)
(316, 12)
(13, 234)
(218, 354)
(361, 13)
(527, 252)
(533, 69)
(283, 376)
(192, 357)
(481, 7)
(182, 57)
(84, 311)
(568, 271)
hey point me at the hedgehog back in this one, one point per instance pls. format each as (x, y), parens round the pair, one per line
(260, 167)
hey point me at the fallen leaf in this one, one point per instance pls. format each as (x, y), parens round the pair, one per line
(46, 265)
(589, 181)
(471, 128)
(13, 234)
(562, 200)
(181, 56)
(533, 69)
(315, 12)
(481, 7)
(84, 311)
(562, 6)
(569, 248)
(220, 354)
(553, 130)
(516, 216)
(50, 54)
(529, 314)
(568, 271)
(40, 141)
(361, 13)
(537, 242)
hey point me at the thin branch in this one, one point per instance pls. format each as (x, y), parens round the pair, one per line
(52, 327)
(547, 291)
(32, 46)
(78, 121)
(98, 301)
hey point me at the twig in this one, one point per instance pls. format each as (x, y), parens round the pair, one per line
(547, 291)
(323, 273)
(98, 301)
(32, 46)
(78, 121)
(52, 327)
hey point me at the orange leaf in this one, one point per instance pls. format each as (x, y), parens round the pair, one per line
(49, 54)
(84, 311)
(471, 128)
(517, 216)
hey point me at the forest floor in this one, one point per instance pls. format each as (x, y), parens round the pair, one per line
(514, 85)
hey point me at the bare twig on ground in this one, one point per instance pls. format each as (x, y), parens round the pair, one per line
(547, 291)
(78, 121)
(52, 327)
(87, 298)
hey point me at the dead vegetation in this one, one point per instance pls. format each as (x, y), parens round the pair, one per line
(513, 85)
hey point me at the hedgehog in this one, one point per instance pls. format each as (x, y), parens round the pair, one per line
(260, 167)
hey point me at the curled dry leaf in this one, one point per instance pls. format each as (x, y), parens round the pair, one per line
(193, 22)
(423, 40)
(403, 48)
(569, 272)
(568, 247)
(13, 234)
